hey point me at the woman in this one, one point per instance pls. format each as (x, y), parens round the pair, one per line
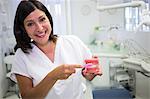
(47, 66)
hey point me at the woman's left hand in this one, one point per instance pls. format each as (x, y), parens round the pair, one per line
(91, 72)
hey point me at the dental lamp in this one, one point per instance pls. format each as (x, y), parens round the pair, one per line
(134, 3)
(145, 16)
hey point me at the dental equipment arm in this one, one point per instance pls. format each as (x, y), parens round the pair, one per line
(135, 3)
(145, 16)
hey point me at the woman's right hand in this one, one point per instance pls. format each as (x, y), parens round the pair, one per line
(64, 71)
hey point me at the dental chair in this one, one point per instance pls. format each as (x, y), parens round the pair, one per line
(12, 86)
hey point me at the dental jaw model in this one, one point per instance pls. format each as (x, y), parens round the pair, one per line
(92, 66)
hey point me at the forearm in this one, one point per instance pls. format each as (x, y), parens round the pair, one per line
(41, 90)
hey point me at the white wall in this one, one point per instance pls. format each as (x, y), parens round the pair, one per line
(6, 23)
(149, 41)
(2, 68)
(83, 24)
(2, 72)
(84, 18)
(112, 18)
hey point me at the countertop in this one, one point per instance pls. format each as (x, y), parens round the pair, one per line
(103, 51)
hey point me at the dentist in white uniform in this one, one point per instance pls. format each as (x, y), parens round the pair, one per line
(47, 66)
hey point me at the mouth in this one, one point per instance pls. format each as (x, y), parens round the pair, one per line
(41, 34)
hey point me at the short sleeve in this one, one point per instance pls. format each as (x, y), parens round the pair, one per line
(19, 65)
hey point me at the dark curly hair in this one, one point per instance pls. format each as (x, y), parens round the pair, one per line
(24, 8)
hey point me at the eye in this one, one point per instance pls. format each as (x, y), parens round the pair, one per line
(42, 19)
(29, 24)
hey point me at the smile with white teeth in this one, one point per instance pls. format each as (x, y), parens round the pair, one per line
(41, 34)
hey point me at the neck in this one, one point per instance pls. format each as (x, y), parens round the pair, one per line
(48, 48)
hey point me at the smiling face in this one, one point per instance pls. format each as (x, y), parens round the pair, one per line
(37, 26)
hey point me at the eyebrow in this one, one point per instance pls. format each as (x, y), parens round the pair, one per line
(32, 20)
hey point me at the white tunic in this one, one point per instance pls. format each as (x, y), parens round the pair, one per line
(36, 65)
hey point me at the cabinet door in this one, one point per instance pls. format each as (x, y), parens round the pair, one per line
(142, 86)
(102, 81)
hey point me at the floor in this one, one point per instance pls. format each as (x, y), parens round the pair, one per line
(15, 97)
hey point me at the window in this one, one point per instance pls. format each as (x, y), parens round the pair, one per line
(132, 18)
(57, 10)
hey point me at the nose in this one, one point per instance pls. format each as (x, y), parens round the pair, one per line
(39, 27)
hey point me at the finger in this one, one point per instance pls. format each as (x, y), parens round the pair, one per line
(69, 69)
(77, 66)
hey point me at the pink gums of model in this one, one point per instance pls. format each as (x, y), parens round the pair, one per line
(91, 66)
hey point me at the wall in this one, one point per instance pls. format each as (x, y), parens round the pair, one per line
(2, 68)
(148, 41)
(6, 21)
(112, 18)
(84, 18)
(2, 72)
